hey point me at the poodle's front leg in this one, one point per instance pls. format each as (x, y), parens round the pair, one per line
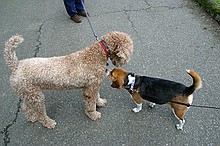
(90, 99)
(100, 101)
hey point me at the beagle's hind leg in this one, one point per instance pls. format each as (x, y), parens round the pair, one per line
(179, 113)
(152, 105)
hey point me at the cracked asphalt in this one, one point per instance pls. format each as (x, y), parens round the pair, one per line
(169, 37)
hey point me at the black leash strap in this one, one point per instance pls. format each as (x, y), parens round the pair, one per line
(101, 42)
(87, 16)
(201, 106)
(186, 104)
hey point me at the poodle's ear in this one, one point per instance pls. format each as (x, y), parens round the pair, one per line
(121, 47)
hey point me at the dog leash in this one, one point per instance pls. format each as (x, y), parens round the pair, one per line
(200, 106)
(87, 16)
(101, 42)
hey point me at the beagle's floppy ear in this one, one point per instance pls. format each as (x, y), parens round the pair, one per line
(117, 78)
(117, 83)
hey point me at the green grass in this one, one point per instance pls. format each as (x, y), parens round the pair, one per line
(210, 7)
(217, 2)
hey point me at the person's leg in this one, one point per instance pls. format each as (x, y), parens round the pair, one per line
(71, 10)
(70, 7)
(80, 8)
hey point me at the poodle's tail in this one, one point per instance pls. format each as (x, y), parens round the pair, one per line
(197, 82)
(9, 52)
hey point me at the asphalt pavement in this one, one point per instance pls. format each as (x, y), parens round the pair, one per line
(169, 36)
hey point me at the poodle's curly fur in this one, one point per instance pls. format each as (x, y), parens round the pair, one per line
(82, 69)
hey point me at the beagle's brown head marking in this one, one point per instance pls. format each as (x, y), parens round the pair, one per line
(117, 76)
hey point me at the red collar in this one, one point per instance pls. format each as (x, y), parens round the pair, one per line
(105, 47)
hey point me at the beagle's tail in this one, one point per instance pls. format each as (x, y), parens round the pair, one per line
(9, 52)
(197, 82)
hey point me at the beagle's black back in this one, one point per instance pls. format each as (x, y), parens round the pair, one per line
(159, 91)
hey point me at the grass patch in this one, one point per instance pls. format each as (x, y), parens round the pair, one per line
(213, 6)
(217, 2)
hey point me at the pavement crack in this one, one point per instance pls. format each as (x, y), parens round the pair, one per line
(132, 24)
(169, 7)
(147, 4)
(38, 40)
(5, 131)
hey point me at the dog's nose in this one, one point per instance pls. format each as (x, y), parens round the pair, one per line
(107, 71)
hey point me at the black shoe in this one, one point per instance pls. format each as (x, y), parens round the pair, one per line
(76, 18)
(82, 13)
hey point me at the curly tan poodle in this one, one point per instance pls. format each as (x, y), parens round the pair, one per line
(82, 69)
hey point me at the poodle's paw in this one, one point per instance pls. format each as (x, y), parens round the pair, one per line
(94, 115)
(136, 110)
(49, 123)
(101, 102)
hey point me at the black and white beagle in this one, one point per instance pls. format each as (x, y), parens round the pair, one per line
(157, 91)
